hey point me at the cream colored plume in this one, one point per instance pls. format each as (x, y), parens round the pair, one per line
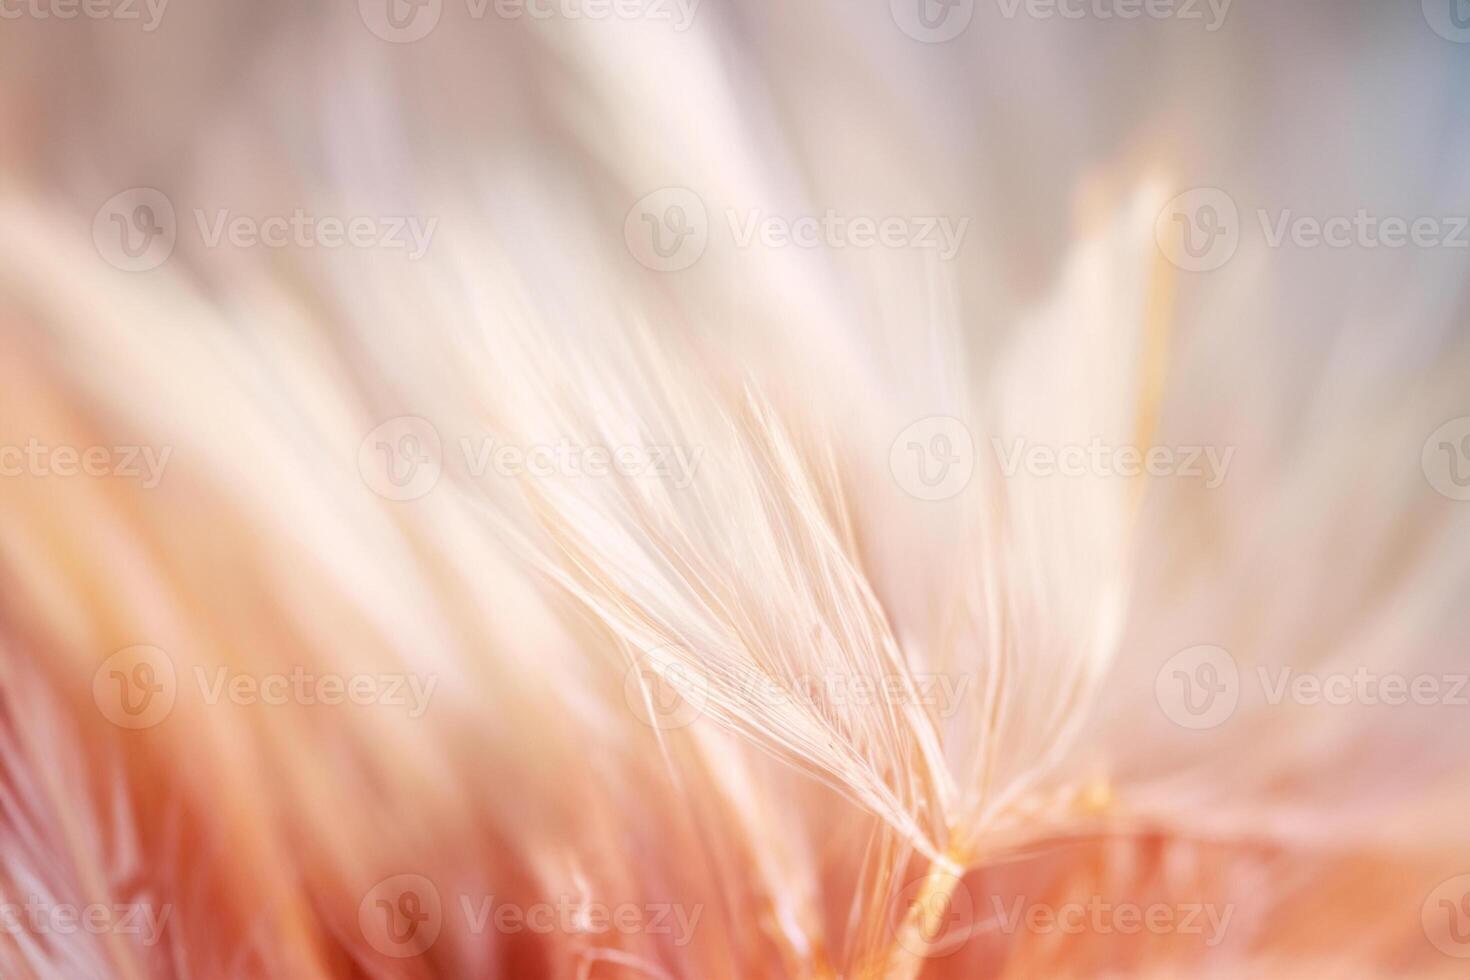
(800, 715)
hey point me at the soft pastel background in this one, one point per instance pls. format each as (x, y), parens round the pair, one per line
(592, 641)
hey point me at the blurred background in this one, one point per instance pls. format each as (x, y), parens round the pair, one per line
(913, 488)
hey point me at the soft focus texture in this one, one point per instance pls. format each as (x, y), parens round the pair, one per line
(586, 648)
